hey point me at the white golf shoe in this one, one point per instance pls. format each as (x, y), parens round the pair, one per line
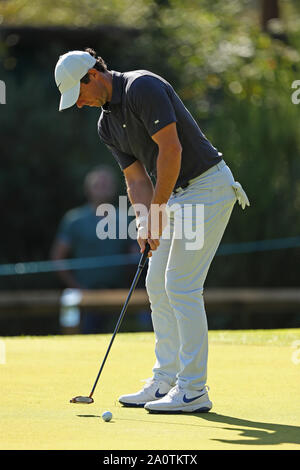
(153, 390)
(180, 400)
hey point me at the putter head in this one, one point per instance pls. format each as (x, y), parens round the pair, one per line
(79, 399)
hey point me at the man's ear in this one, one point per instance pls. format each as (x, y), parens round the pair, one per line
(93, 72)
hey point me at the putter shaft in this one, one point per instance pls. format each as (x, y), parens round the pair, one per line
(124, 309)
(141, 265)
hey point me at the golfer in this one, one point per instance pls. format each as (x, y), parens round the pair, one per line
(167, 162)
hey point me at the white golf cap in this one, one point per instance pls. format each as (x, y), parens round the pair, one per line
(69, 70)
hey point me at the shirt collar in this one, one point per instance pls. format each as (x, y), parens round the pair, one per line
(117, 88)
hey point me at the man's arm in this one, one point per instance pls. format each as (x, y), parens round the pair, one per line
(168, 162)
(140, 191)
(61, 250)
(168, 168)
(139, 186)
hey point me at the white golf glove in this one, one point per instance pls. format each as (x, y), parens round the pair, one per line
(240, 195)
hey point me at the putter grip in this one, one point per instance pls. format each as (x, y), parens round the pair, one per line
(144, 256)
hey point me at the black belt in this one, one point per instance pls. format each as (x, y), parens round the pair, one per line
(183, 186)
(186, 184)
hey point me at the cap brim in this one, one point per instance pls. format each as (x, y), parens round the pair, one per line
(69, 97)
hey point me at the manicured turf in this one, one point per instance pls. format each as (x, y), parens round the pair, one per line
(254, 384)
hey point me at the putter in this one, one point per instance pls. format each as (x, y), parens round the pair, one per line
(142, 262)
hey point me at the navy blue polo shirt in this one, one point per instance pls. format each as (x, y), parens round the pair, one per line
(142, 103)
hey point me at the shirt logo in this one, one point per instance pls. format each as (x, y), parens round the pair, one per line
(156, 122)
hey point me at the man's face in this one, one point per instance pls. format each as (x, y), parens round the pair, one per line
(100, 187)
(94, 93)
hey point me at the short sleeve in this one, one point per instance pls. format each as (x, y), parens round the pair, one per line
(65, 230)
(150, 100)
(124, 160)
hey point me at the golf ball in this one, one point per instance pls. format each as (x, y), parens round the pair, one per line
(106, 416)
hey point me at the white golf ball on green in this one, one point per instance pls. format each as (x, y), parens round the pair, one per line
(106, 416)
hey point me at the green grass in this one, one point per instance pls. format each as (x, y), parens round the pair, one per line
(254, 386)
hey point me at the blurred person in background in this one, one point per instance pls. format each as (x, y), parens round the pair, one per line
(76, 238)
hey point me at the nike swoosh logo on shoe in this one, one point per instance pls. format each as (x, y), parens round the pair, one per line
(189, 400)
(159, 395)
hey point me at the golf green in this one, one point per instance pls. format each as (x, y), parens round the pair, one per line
(254, 380)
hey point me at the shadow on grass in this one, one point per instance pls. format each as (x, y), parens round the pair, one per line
(264, 434)
(259, 433)
(89, 416)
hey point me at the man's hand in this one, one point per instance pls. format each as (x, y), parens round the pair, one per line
(142, 233)
(151, 228)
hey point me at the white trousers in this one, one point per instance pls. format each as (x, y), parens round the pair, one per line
(176, 277)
